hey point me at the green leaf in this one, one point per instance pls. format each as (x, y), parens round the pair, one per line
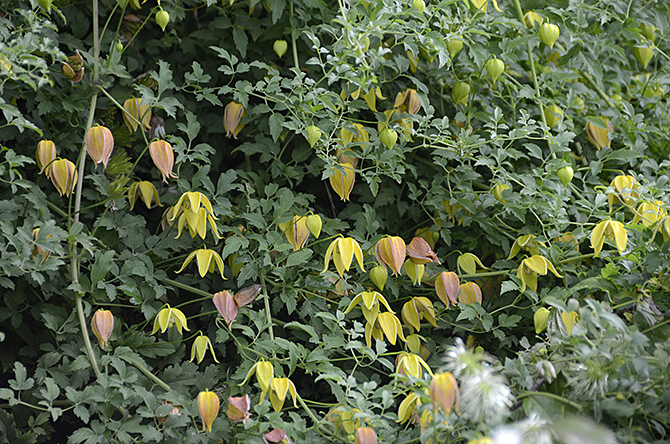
(101, 267)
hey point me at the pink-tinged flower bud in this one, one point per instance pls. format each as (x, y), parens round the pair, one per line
(226, 306)
(102, 324)
(238, 408)
(446, 286)
(63, 175)
(99, 144)
(407, 101)
(444, 392)
(46, 153)
(390, 251)
(208, 407)
(140, 113)
(470, 293)
(174, 411)
(343, 182)
(232, 115)
(163, 157)
(276, 436)
(419, 252)
(365, 435)
(247, 295)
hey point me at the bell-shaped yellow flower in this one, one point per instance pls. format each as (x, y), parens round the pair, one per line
(278, 390)
(385, 324)
(145, 191)
(232, 115)
(613, 230)
(467, 263)
(527, 243)
(347, 137)
(168, 317)
(531, 267)
(649, 213)
(370, 304)
(408, 406)
(343, 250)
(45, 154)
(206, 259)
(63, 175)
(208, 407)
(163, 156)
(264, 375)
(99, 144)
(410, 364)
(200, 347)
(195, 211)
(444, 392)
(136, 112)
(599, 136)
(414, 271)
(296, 232)
(102, 324)
(415, 310)
(407, 101)
(342, 180)
(390, 251)
(627, 190)
(447, 286)
(470, 293)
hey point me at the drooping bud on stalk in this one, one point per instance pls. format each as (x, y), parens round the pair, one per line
(565, 174)
(470, 293)
(648, 32)
(414, 271)
(378, 276)
(365, 435)
(446, 287)
(46, 153)
(343, 183)
(599, 136)
(102, 324)
(232, 115)
(444, 392)
(460, 92)
(532, 19)
(226, 306)
(549, 34)
(541, 320)
(163, 157)
(140, 113)
(314, 225)
(643, 55)
(296, 231)
(162, 18)
(208, 407)
(63, 175)
(390, 251)
(419, 252)
(280, 47)
(238, 408)
(454, 47)
(388, 137)
(99, 144)
(495, 68)
(313, 135)
(144, 190)
(553, 115)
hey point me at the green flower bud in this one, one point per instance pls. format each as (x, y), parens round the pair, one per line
(643, 55)
(313, 135)
(648, 32)
(541, 319)
(495, 68)
(565, 174)
(280, 47)
(419, 4)
(454, 47)
(553, 115)
(388, 137)
(119, 47)
(378, 276)
(314, 224)
(162, 18)
(549, 34)
(460, 92)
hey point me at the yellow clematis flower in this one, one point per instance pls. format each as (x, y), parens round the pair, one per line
(613, 230)
(200, 347)
(264, 375)
(370, 304)
(296, 231)
(649, 213)
(410, 364)
(415, 310)
(343, 250)
(626, 187)
(385, 324)
(278, 390)
(102, 324)
(208, 407)
(467, 263)
(168, 317)
(144, 190)
(206, 259)
(531, 267)
(390, 252)
(342, 180)
(444, 392)
(446, 286)
(527, 243)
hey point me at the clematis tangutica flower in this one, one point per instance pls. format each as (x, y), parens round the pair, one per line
(385, 324)
(208, 407)
(343, 250)
(527, 243)
(531, 267)
(414, 271)
(598, 135)
(136, 114)
(415, 310)
(467, 263)
(239, 408)
(407, 101)
(342, 180)
(611, 230)
(447, 286)
(276, 436)
(365, 435)
(469, 293)
(390, 252)
(346, 137)
(226, 306)
(99, 144)
(264, 375)
(63, 175)
(296, 232)
(45, 154)
(649, 213)
(369, 304)
(627, 190)
(278, 390)
(410, 364)
(206, 259)
(145, 191)
(420, 252)
(444, 392)
(168, 317)
(199, 349)
(378, 276)
(232, 115)
(163, 156)
(408, 406)
(102, 325)
(314, 224)
(194, 211)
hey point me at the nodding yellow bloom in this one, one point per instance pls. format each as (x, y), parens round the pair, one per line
(136, 112)
(238, 408)
(102, 324)
(649, 213)
(200, 347)
(414, 271)
(613, 230)
(168, 317)
(296, 231)
(390, 251)
(206, 259)
(599, 137)
(379, 275)
(347, 137)
(531, 267)
(407, 101)
(370, 304)
(163, 157)
(416, 309)
(264, 375)
(470, 293)
(195, 211)
(444, 392)
(407, 407)
(343, 250)
(278, 390)
(481, 5)
(626, 187)
(63, 175)
(527, 243)
(99, 144)
(446, 287)
(232, 115)
(45, 154)
(410, 364)
(467, 263)
(208, 407)
(342, 180)
(144, 190)
(385, 324)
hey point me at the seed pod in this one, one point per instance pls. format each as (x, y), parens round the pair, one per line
(45, 154)
(162, 18)
(643, 55)
(388, 138)
(454, 47)
(313, 135)
(565, 174)
(99, 144)
(495, 68)
(549, 34)
(280, 47)
(460, 92)
(553, 115)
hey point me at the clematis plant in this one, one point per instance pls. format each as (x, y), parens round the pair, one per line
(343, 250)
(531, 267)
(199, 348)
(611, 230)
(385, 324)
(168, 317)
(194, 211)
(206, 259)
(415, 310)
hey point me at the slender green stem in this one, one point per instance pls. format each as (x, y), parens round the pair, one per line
(293, 43)
(266, 301)
(552, 396)
(87, 340)
(186, 287)
(595, 86)
(150, 375)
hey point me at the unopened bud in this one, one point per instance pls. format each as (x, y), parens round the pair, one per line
(388, 137)
(460, 92)
(162, 18)
(549, 34)
(280, 47)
